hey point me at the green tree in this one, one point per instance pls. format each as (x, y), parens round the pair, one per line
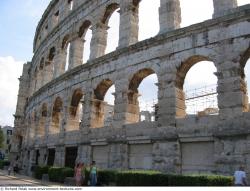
(1, 138)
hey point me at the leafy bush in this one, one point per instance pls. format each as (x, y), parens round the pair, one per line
(136, 178)
(58, 174)
(143, 178)
(66, 172)
(106, 176)
(147, 178)
(4, 163)
(40, 170)
(55, 174)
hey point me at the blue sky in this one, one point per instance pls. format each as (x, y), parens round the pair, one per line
(18, 21)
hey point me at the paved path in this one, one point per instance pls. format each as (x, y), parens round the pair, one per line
(20, 180)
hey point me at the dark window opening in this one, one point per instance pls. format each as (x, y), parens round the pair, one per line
(51, 157)
(37, 157)
(70, 156)
(57, 14)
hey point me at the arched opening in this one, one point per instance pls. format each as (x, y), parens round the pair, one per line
(42, 121)
(143, 96)
(196, 95)
(109, 101)
(203, 10)
(112, 20)
(67, 57)
(75, 111)
(57, 113)
(247, 79)
(41, 72)
(49, 66)
(85, 33)
(148, 18)
(70, 5)
(103, 104)
(66, 49)
(35, 80)
(245, 75)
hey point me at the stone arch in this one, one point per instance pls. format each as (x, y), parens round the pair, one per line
(57, 112)
(75, 110)
(41, 64)
(49, 65)
(185, 67)
(133, 94)
(110, 9)
(102, 89)
(52, 53)
(99, 105)
(83, 28)
(140, 9)
(244, 62)
(65, 41)
(111, 22)
(85, 35)
(42, 120)
(182, 100)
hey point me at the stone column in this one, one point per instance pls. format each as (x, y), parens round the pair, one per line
(129, 27)
(97, 113)
(169, 15)
(171, 100)
(86, 111)
(48, 71)
(126, 108)
(59, 63)
(48, 121)
(76, 52)
(230, 90)
(221, 6)
(60, 156)
(99, 40)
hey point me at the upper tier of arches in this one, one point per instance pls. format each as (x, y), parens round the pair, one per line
(67, 22)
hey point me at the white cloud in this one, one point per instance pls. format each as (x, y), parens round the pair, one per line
(10, 71)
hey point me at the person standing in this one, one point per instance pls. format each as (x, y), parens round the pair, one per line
(78, 174)
(240, 177)
(82, 174)
(93, 174)
(10, 169)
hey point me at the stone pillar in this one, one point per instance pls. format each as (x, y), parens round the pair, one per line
(99, 40)
(126, 108)
(97, 113)
(48, 72)
(221, 6)
(86, 111)
(133, 109)
(129, 27)
(169, 15)
(171, 100)
(39, 79)
(84, 154)
(76, 52)
(59, 63)
(230, 89)
(59, 156)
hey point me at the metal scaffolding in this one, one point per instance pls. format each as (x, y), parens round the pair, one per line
(203, 99)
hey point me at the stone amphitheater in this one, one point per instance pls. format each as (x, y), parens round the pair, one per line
(49, 129)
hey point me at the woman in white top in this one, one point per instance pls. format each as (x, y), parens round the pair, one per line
(240, 177)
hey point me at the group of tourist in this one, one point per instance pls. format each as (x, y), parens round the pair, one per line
(80, 174)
